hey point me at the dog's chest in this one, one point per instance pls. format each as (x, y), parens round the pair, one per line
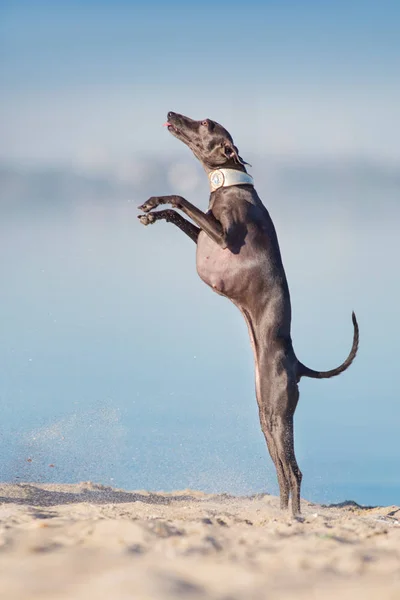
(216, 266)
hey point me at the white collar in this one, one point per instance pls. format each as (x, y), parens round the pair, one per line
(227, 177)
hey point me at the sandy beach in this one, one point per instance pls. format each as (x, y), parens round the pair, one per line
(88, 541)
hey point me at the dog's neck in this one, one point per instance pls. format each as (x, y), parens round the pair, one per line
(219, 178)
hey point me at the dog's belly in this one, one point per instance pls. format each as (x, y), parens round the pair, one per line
(225, 272)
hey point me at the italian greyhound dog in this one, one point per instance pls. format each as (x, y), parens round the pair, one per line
(238, 256)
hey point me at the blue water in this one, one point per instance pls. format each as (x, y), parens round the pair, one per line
(120, 366)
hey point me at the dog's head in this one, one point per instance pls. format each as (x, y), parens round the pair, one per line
(208, 140)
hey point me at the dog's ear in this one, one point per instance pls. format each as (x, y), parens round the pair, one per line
(231, 152)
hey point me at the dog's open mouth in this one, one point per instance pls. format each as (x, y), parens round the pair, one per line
(171, 127)
(176, 131)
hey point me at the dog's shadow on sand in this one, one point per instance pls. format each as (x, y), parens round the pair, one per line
(32, 495)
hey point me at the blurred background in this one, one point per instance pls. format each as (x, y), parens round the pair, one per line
(118, 365)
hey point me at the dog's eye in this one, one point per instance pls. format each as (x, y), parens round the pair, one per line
(205, 123)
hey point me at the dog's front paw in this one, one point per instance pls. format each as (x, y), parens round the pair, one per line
(175, 202)
(151, 203)
(147, 219)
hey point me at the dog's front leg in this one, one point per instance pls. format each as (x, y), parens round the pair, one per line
(171, 216)
(208, 223)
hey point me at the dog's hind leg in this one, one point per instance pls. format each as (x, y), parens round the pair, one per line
(284, 441)
(264, 375)
(278, 400)
(284, 486)
(277, 397)
(280, 404)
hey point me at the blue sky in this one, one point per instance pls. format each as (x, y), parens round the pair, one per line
(119, 365)
(96, 78)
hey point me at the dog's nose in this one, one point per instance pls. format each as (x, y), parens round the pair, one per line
(170, 114)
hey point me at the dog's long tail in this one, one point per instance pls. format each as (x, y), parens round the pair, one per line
(304, 371)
